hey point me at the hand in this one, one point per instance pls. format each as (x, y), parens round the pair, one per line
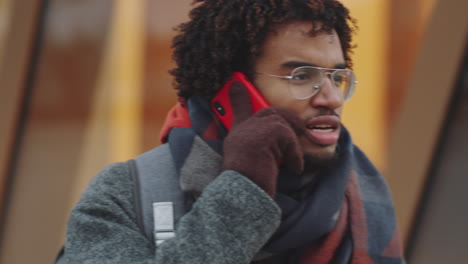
(256, 144)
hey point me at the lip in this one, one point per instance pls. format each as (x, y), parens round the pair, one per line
(323, 138)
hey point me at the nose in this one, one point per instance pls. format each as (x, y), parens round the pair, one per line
(328, 96)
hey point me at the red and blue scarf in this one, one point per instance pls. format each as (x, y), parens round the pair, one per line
(346, 216)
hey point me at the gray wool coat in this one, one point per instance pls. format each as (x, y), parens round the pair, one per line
(229, 223)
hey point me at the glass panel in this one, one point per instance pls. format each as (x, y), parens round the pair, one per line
(440, 234)
(159, 95)
(55, 130)
(5, 15)
(407, 29)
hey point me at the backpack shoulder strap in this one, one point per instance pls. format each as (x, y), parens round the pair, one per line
(159, 200)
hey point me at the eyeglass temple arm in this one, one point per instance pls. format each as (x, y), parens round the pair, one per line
(287, 77)
(277, 76)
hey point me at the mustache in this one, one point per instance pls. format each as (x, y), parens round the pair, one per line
(324, 112)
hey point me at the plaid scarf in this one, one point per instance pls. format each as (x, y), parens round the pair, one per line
(346, 217)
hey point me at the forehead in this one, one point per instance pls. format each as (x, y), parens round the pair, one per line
(293, 42)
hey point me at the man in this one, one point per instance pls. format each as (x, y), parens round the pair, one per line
(286, 184)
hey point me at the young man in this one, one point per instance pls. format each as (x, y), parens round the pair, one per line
(285, 184)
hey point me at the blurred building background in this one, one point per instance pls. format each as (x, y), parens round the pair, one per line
(85, 83)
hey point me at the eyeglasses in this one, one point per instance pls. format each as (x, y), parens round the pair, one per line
(306, 81)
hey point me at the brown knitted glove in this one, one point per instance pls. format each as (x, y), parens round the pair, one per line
(256, 146)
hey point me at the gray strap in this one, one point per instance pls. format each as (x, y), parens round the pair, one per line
(156, 182)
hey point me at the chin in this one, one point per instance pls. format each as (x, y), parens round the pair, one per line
(319, 154)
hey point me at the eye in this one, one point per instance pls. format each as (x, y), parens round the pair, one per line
(306, 76)
(303, 76)
(340, 77)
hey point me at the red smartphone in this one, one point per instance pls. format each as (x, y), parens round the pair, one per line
(221, 103)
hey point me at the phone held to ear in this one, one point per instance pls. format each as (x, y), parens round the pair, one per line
(221, 103)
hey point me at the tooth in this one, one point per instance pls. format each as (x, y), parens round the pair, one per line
(323, 130)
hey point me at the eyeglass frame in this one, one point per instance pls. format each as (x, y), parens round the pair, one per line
(326, 71)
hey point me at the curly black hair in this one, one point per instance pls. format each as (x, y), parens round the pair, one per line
(224, 36)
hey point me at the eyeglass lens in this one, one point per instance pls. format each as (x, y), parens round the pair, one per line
(306, 82)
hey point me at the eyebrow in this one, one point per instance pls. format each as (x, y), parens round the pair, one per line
(295, 64)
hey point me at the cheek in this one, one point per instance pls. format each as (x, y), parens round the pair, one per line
(339, 110)
(275, 91)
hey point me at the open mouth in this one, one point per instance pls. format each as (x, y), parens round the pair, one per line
(322, 128)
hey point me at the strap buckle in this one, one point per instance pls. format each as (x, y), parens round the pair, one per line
(163, 213)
